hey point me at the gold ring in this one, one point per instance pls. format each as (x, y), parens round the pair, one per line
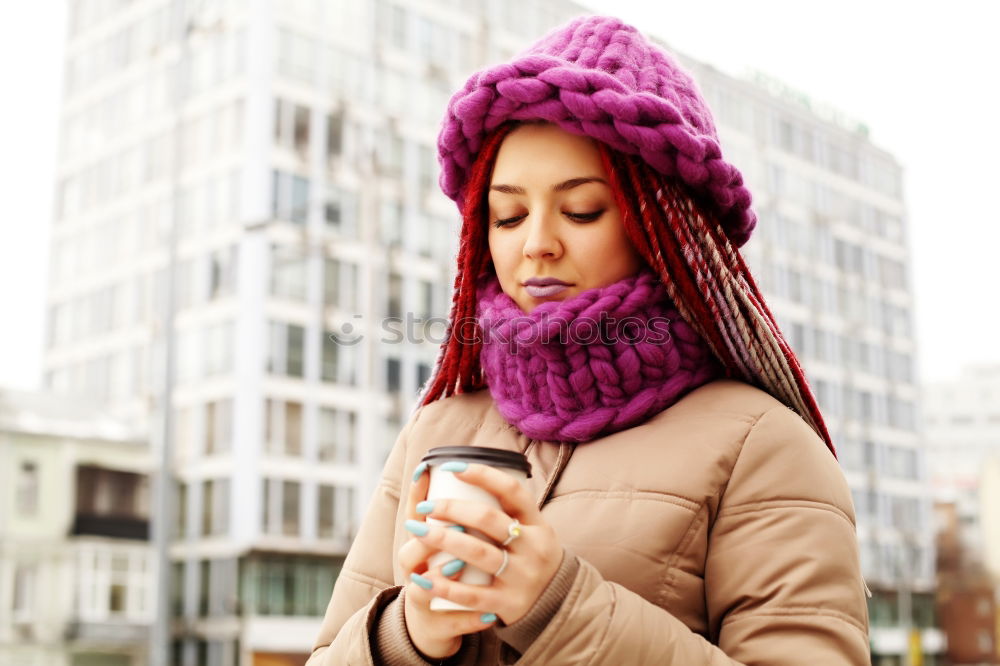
(513, 531)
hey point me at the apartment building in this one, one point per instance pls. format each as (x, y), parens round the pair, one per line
(290, 147)
(831, 255)
(77, 577)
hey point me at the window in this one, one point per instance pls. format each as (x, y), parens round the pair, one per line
(291, 585)
(290, 497)
(301, 130)
(182, 508)
(27, 489)
(222, 272)
(283, 427)
(393, 368)
(335, 512)
(215, 507)
(24, 593)
(339, 354)
(218, 426)
(218, 348)
(395, 301)
(288, 273)
(331, 282)
(334, 134)
(325, 512)
(290, 197)
(336, 435)
(286, 353)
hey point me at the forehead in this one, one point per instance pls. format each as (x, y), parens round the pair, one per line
(544, 153)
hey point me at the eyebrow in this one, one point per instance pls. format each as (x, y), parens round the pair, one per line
(558, 187)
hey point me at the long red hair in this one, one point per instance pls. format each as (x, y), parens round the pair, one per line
(702, 272)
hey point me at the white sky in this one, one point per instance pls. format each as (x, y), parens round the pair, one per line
(921, 75)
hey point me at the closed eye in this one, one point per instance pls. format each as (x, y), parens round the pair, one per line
(581, 217)
(586, 217)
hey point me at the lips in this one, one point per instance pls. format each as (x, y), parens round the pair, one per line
(543, 287)
(544, 291)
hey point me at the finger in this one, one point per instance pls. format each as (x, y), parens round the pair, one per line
(489, 520)
(480, 598)
(413, 555)
(459, 545)
(418, 490)
(514, 498)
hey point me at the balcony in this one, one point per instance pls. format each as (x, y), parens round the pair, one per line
(111, 503)
(118, 527)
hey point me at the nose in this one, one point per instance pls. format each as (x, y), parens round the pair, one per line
(542, 240)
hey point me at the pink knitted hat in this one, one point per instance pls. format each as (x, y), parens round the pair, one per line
(601, 78)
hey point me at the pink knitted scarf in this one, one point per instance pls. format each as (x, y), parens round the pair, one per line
(602, 361)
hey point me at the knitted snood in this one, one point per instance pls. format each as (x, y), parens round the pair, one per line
(599, 362)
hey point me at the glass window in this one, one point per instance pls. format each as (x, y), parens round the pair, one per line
(207, 499)
(222, 272)
(336, 435)
(393, 371)
(300, 200)
(288, 273)
(331, 282)
(24, 593)
(293, 428)
(325, 511)
(27, 489)
(334, 134)
(286, 352)
(290, 497)
(301, 129)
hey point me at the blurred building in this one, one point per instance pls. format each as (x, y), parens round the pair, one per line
(831, 255)
(76, 568)
(963, 438)
(296, 162)
(966, 593)
(291, 146)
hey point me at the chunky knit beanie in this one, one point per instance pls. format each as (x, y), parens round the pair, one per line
(599, 77)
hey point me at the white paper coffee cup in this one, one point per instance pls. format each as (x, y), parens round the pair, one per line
(445, 485)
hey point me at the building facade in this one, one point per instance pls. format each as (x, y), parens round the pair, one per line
(831, 256)
(963, 438)
(290, 146)
(76, 569)
(286, 151)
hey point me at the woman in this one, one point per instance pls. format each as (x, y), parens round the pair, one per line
(684, 506)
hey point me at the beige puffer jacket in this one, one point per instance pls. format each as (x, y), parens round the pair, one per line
(721, 531)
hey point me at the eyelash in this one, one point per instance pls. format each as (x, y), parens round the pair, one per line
(580, 217)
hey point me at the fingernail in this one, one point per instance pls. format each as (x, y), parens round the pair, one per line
(419, 471)
(421, 581)
(487, 618)
(416, 527)
(452, 567)
(425, 507)
(457, 528)
(454, 466)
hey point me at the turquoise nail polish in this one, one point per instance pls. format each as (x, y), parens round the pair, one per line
(487, 618)
(425, 507)
(421, 581)
(416, 527)
(457, 528)
(419, 471)
(452, 567)
(454, 466)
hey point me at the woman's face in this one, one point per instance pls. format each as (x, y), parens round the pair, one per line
(553, 218)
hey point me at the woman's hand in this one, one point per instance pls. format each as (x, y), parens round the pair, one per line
(435, 634)
(533, 557)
